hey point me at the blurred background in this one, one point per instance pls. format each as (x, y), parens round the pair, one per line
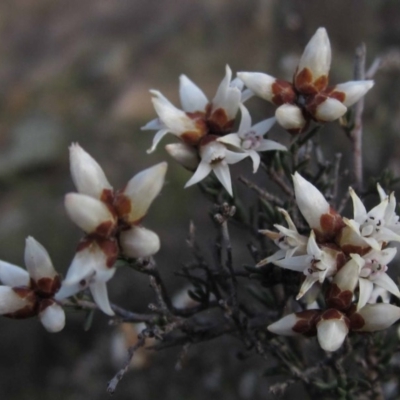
(80, 71)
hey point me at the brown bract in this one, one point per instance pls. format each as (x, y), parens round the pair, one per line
(306, 324)
(338, 299)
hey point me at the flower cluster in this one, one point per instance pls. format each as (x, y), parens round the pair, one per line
(308, 97)
(347, 258)
(111, 221)
(205, 129)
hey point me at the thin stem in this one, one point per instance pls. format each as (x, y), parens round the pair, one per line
(357, 131)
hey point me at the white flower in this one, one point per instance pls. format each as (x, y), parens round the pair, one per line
(198, 116)
(288, 240)
(309, 97)
(318, 264)
(371, 227)
(106, 217)
(250, 139)
(373, 273)
(216, 157)
(33, 292)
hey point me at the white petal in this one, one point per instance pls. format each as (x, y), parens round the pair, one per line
(66, 291)
(202, 171)
(12, 275)
(381, 192)
(231, 157)
(365, 289)
(268, 145)
(262, 127)
(87, 212)
(184, 154)
(312, 246)
(222, 173)
(378, 316)
(232, 139)
(85, 264)
(143, 188)
(317, 55)
(354, 90)
(154, 125)
(290, 117)
(386, 282)
(259, 83)
(157, 138)
(331, 333)
(100, 297)
(53, 318)
(10, 301)
(139, 242)
(245, 121)
(306, 286)
(227, 97)
(176, 120)
(246, 95)
(88, 176)
(359, 210)
(192, 97)
(329, 110)
(37, 260)
(297, 263)
(284, 326)
(347, 277)
(310, 200)
(255, 157)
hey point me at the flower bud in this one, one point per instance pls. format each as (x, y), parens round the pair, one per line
(332, 329)
(329, 110)
(314, 64)
(12, 275)
(88, 176)
(140, 192)
(294, 324)
(290, 117)
(259, 83)
(53, 318)
(353, 91)
(184, 154)
(139, 242)
(374, 317)
(90, 214)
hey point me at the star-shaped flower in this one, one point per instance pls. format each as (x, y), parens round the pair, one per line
(372, 228)
(33, 292)
(289, 240)
(309, 97)
(198, 117)
(250, 139)
(318, 264)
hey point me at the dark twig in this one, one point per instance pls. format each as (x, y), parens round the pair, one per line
(262, 193)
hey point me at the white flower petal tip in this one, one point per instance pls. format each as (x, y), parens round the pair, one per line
(353, 91)
(332, 330)
(139, 242)
(11, 302)
(375, 317)
(140, 192)
(284, 326)
(12, 275)
(294, 324)
(89, 214)
(290, 117)
(258, 83)
(87, 175)
(312, 72)
(192, 97)
(37, 260)
(329, 110)
(100, 297)
(53, 318)
(310, 200)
